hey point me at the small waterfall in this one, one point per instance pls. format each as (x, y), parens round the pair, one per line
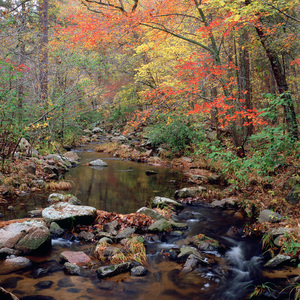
(242, 275)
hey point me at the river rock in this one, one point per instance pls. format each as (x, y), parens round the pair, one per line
(56, 229)
(98, 163)
(67, 215)
(86, 236)
(126, 233)
(64, 163)
(56, 197)
(36, 213)
(111, 227)
(74, 200)
(14, 264)
(205, 243)
(75, 257)
(4, 252)
(72, 269)
(277, 260)
(293, 197)
(160, 226)
(72, 157)
(225, 202)
(185, 252)
(190, 192)
(26, 237)
(191, 263)
(5, 295)
(150, 213)
(269, 216)
(138, 271)
(113, 270)
(162, 202)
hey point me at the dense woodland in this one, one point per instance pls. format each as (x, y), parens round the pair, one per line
(217, 80)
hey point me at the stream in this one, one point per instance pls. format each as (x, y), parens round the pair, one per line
(123, 187)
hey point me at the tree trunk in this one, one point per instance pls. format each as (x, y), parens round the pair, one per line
(280, 78)
(43, 50)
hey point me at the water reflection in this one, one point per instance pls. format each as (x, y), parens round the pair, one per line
(122, 186)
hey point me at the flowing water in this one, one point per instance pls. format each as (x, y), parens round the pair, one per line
(124, 187)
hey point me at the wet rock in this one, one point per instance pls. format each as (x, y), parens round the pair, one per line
(185, 252)
(43, 285)
(5, 295)
(13, 264)
(205, 243)
(100, 234)
(269, 216)
(72, 157)
(72, 269)
(176, 225)
(98, 163)
(138, 271)
(26, 237)
(113, 270)
(111, 227)
(56, 229)
(57, 158)
(11, 282)
(36, 213)
(160, 226)
(127, 232)
(65, 282)
(191, 263)
(277, 260)
(109, 252)
(86, 235)
(150, 213)
(190, 192)
(67, 215)
(4, 252)
(162, 202)
(293, 197)
(225, 202)
(75, 257)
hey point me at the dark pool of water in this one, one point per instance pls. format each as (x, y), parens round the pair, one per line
(123, 187)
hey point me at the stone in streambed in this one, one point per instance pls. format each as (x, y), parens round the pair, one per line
(113, 270)
(14, 264)
(72, 269)
(67, 215)
(74, 257)
(277, 260)
(190, 192)
(98, 163)
(150, 213)
(26, 237)
(162, 202)
(138, 271)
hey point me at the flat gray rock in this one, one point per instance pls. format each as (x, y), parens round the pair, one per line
(67, 215)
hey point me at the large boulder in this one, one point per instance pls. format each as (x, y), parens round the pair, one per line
(27, 237)
(67, 215)
(190, 192)
(205, 243)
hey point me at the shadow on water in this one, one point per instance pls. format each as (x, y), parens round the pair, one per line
(124, 187)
